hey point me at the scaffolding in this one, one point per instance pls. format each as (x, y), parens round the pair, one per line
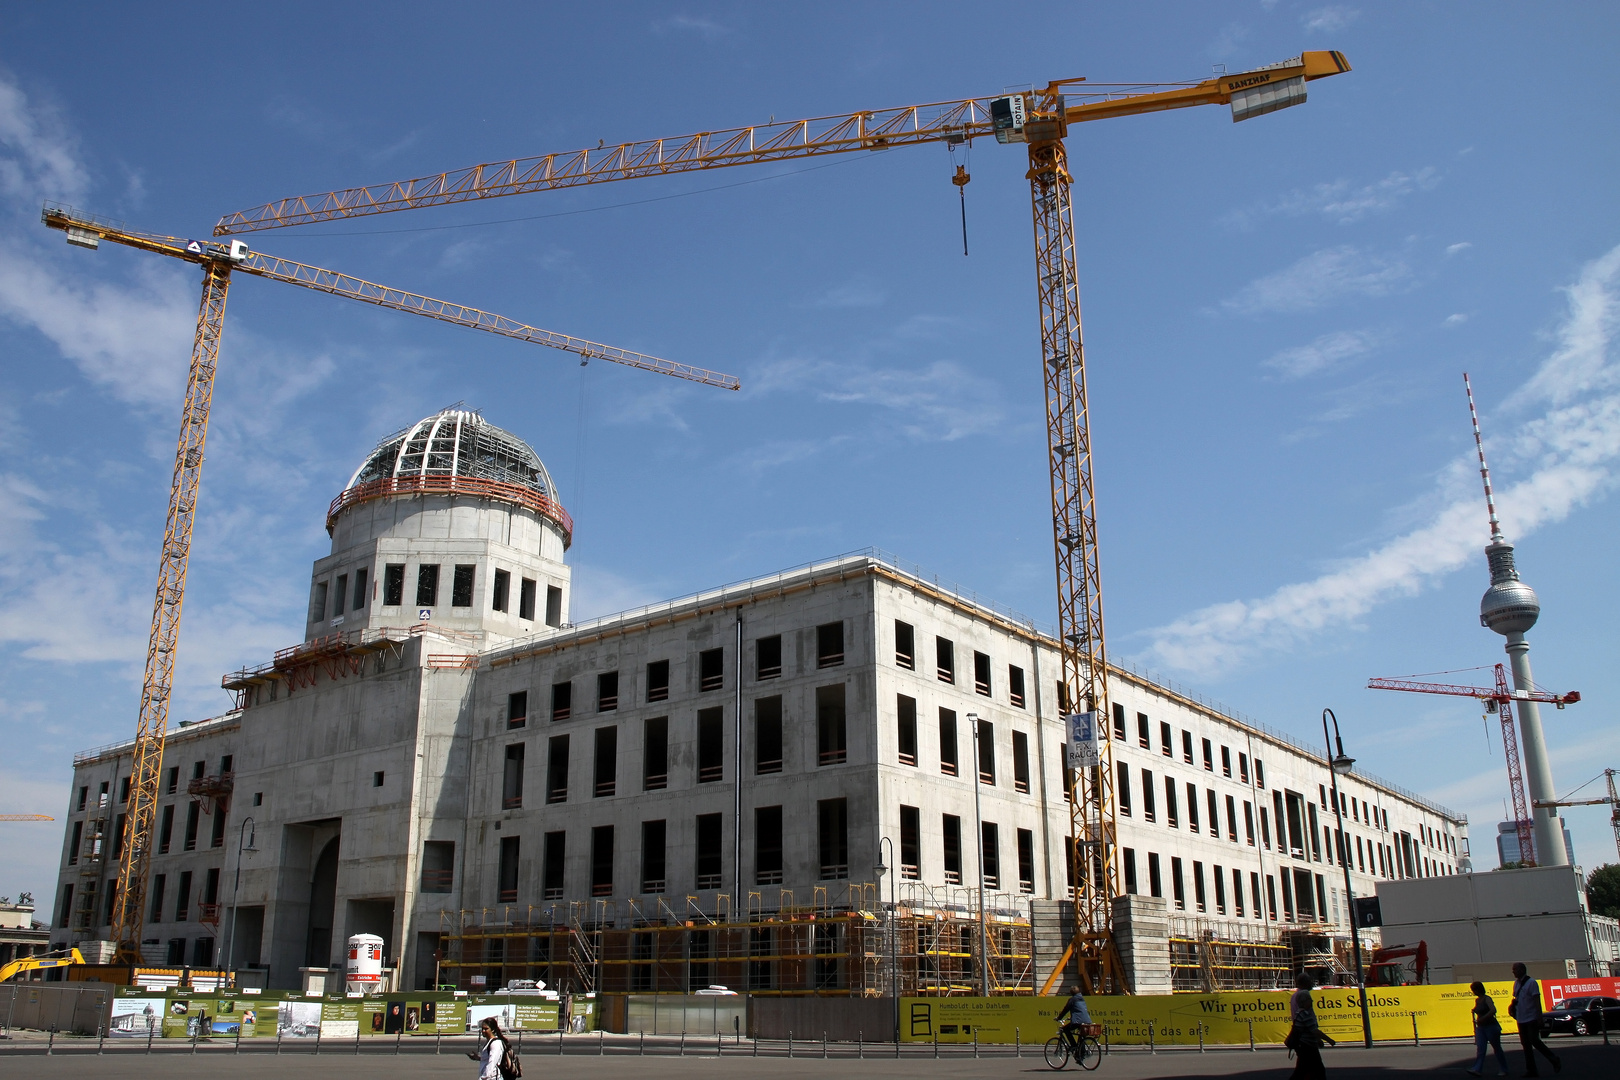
(1207, 956)
(844, 943)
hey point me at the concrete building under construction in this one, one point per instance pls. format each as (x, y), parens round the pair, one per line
(770, 785)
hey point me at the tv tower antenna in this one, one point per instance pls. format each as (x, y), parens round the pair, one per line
(1509, 607)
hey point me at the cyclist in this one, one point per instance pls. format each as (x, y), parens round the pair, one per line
(1073, 1032)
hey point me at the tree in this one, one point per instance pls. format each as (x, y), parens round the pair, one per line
(1603, 891)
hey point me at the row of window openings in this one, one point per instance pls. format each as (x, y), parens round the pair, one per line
(1304, 895)
(207, 900)
(831, 749)
(171, 783)
(427, 592)
(832, 849)
(905, 655)
(1292, 811)
(1358, 810)
(711, 676)
(87, 838)
(949, 749)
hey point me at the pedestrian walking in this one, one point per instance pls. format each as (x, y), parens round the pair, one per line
(1525, 1008)
(492, 1051)
(1306, 1038)
(1487, 1030)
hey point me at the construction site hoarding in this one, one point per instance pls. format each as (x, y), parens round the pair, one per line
(137, 1012)
(1397, 1013)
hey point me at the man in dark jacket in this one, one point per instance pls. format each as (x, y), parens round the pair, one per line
(1525, 1008)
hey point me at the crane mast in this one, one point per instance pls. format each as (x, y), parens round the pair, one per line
(1041, 119)
(218, 261)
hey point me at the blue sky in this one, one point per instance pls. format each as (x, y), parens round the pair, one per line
(1277, 313)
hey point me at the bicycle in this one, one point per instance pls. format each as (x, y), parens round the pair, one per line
(1059, 1050)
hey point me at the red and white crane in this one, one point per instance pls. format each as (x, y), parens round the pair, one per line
(1499, 700)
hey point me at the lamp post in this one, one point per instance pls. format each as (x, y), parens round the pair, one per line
(1339, 764)
(244, 832)
(894, 931)
(978, 828)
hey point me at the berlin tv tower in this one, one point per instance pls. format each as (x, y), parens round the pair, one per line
(1510, 607)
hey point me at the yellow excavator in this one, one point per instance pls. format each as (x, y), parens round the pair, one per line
(35, 963)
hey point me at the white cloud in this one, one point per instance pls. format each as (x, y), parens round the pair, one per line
(707, 29)
(941, 401)
(1229, 41)
(1569, 453)
(1456, 319)
(1324, 352)
(1321, 278)
(1329, 18)
(859, 293)
(1454, 249)
(40, 161)
(1340, 200)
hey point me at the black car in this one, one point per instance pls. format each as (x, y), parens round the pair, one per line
(1583, 1016)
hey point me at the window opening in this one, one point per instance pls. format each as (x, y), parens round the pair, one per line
(830, 745)
(607, 761)
(910, 843)
(607, 691)
(1020, 747)
(1015, 686)
(768, 845)
(951, 830)
(944, 660)
(562, 701)
(768, 657)
(652, 857)
(767, 735)
(990, 849)
(710, 851)
(508, 881)
(393, 584)
(947, 742)
(711, 745)
(658, 681)
(830, 645)
(554, 862)
(557, 770)
(500, 594)
(906, 733)
(553, 606)
(602, 860)
(905, 646)
(711, 670)
(461, 586)
(517, 709)
(526, 594)
(981, 674)
(427, 585)
(655, 753)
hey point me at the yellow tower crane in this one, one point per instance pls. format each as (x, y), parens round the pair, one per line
(1040, 119)
(219, 261)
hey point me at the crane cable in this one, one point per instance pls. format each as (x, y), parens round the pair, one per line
(961, 178)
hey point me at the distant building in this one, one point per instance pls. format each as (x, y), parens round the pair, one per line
(20, 935)
(1507, 845)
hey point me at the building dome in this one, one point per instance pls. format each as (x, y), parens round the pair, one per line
(455, 452)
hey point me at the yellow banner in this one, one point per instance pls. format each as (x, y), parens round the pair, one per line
(1438, 1011)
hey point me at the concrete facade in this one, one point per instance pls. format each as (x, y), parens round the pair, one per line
(397, 768)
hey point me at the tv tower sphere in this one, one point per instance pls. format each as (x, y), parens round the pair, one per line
(1509, 606)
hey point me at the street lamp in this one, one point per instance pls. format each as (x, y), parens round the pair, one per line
(1340, 764)
(978, 826)
(246, 831)
(894, 931)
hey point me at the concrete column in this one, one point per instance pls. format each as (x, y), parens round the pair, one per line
(1537, 772)
(1142, 935)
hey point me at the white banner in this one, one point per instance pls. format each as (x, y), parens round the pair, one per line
(1081, 748)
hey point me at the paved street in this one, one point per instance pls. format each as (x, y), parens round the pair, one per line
(624, 1058)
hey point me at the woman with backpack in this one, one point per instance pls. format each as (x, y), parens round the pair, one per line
(494, 1056)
